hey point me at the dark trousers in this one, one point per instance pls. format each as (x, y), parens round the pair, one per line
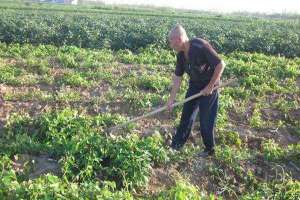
(208, 107)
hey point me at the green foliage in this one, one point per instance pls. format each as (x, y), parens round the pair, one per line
(130, 160)
(133, 30)
(287, 189)
(85, 153)
(183, 190)
(8, 75)
(53, 187)
(231, 156)
(135, 72)
(256, 120)
(73, 79)
(229, 138)
(139, 100)
(274, 152)
(156, 82)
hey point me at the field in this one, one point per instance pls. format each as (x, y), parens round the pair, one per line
(67, 74)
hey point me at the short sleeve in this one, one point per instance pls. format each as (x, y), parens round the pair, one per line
(179, 71)
(211, 55)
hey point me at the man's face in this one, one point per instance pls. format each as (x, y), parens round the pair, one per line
(175, 43)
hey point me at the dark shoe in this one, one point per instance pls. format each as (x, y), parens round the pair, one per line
(176, 147)
(206, 153)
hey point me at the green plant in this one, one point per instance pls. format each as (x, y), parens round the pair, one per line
(73, 79)
(272, 151)
(230, 138)
(256, 119)
(183, 190)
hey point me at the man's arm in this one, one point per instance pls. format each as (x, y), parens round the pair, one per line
(215, 78)
(175, 87)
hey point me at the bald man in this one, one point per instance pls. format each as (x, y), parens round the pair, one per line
(200, 61)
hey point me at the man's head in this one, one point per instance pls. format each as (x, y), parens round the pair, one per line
(177, 38)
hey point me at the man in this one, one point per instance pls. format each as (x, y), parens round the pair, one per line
(200, 61)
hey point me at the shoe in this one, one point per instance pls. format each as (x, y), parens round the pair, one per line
(206, 153)
(176, 147)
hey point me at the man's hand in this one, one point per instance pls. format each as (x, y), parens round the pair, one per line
(207, 90)
(175, 88)
(215, 80)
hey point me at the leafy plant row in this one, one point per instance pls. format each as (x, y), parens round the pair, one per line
(98, 30)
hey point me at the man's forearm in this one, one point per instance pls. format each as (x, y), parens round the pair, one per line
(217, 74)
(175, 86)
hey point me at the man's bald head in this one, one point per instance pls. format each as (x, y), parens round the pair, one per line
(177, 37)
(177, 31)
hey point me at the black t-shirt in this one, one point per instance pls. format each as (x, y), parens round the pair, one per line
(201, 63)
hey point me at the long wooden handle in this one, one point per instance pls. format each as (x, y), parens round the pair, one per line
(173, 105)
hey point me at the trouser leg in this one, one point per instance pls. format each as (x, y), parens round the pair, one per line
(188, 116)
(208, 107)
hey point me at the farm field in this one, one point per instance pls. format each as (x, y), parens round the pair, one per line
(68, 74)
